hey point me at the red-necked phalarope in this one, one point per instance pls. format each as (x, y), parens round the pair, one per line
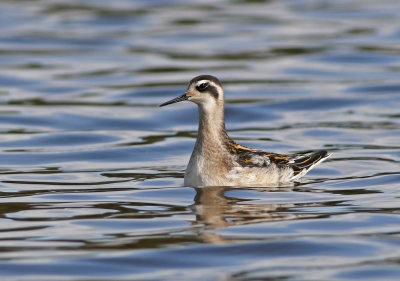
(218, 161)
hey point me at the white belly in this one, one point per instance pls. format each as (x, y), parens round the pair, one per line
(199, 173)
(193, 173)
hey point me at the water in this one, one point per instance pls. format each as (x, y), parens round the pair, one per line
(92, 170)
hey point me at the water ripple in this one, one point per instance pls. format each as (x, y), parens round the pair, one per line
(92, 169)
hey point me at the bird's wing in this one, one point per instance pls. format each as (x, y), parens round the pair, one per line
(260, 159)
(299, 163)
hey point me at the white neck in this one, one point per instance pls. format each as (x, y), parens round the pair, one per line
(210, 157)
(211, 134)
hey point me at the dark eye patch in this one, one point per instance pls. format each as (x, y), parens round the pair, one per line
(202, 86)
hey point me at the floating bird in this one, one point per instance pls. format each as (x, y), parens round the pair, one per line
(217, 160)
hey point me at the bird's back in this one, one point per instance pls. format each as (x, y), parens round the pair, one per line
(256, 167)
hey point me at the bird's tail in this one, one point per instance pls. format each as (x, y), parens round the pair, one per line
(302, 164)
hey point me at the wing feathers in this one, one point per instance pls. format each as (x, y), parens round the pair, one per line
(307, 162)
(299, 163)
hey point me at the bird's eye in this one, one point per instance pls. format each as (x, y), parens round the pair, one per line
(202, 86)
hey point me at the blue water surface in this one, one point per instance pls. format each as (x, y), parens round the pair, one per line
(92, 169)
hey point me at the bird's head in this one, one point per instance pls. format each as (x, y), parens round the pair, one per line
(204, 90)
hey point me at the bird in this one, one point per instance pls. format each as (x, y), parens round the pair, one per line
(217, 160)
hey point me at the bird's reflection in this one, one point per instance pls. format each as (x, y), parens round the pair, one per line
(215, 209)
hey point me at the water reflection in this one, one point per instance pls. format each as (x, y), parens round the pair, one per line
(215, 209)
(221, 207)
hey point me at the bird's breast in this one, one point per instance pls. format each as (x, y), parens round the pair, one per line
(206, 170)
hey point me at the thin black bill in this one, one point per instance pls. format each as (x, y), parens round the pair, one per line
(175, 100)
